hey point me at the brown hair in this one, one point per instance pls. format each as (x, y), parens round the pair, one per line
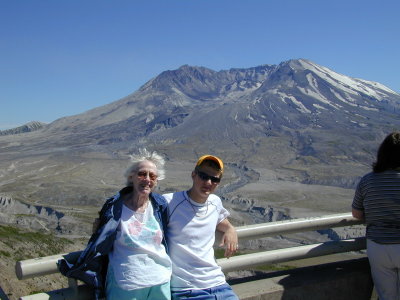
(388, 157)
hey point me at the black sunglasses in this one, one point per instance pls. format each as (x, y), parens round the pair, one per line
(205, 177)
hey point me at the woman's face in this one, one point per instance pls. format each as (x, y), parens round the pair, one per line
(145, 178)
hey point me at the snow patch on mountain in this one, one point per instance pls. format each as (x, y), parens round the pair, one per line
(299, 104)
(319, 106)
(377, 85)
(369, 108)
(351, 85)
(349, 101)
(318, 96)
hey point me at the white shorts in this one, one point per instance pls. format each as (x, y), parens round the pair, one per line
(384, 260)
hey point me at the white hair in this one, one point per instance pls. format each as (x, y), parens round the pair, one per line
(144, 155)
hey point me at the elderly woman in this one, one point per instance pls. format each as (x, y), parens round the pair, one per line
(128, 249)
(377, 201)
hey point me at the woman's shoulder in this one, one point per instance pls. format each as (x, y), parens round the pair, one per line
(158, 199)
(385, 174)
(110, 202)
(368, 175)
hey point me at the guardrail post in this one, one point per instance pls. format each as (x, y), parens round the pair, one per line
(73, 285)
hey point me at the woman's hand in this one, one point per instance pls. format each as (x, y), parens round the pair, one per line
(358, 214)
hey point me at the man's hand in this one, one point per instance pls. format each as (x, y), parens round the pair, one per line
(229, 238)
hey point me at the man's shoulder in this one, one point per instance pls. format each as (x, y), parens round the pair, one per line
(168, 195)
(158, 199)
(174, 196)
(214, 199)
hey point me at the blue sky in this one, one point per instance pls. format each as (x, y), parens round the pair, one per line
(60, 58)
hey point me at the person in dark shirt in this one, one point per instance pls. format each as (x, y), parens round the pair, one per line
(377, 202)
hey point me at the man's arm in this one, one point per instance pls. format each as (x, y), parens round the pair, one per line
(229, 238)
(358, 214)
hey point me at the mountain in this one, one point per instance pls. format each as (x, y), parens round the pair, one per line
(31, 126)
(292, 130)
(297, 100)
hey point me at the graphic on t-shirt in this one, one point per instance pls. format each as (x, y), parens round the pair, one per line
(135, 227)
(138, 258)
(142, 234)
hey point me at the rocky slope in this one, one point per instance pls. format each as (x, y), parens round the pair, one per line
(29, 127)
(17, 244)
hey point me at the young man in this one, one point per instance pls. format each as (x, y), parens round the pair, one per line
(194, 216)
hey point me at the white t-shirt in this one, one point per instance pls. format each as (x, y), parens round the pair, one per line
(191, 236)
(139, 258)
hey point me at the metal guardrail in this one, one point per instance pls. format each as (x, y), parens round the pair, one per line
(257, 231)
(294, 253)
(40, 266)
(47, 265)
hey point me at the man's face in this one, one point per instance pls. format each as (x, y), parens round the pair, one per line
(205, 180)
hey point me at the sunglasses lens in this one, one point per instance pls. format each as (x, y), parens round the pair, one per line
(143, 175)
(205, 177)
(202, 176)
(215, 179)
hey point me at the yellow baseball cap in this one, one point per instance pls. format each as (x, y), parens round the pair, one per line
(213, 158)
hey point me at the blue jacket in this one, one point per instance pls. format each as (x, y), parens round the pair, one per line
(91, 266)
